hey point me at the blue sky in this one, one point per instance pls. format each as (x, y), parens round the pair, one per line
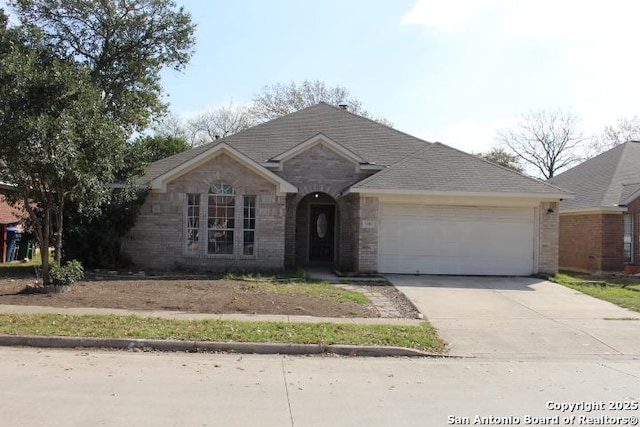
(452, 71)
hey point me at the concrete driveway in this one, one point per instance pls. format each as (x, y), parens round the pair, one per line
(518, 315)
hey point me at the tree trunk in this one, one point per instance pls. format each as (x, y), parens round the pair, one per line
(44, 246)
(58, 228)
(41, 228)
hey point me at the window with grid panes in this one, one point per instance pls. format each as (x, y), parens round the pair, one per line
(221, 219)
(249, 225)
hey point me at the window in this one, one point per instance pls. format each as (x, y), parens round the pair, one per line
(628, 238)
(193, 223)
(249, 225)
(220, 221)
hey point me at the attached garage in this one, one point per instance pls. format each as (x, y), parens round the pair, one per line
(459, 240)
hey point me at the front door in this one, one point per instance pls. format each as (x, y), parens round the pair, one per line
(321, 232)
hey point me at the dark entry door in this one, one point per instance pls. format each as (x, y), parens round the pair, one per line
(321, 233)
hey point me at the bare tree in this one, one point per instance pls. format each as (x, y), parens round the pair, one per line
(171, 126)
(625, 129)
(274, 101)
(280, 99)
(502, 157)
(220, 122)
(548, 141)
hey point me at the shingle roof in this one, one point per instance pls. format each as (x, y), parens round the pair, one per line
(442, 168)
(372, 141)
(412, 164)
(603, 181)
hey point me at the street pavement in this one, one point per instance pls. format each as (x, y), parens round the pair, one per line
(53, 387)
(537, 347)
(520, 316)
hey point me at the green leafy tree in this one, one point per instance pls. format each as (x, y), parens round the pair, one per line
(56, 141)
(502, 157)
(72, 107)
(124, 44)
(148, 149)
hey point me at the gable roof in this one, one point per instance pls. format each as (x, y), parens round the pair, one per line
(366, 139)
(407, 164)
(605, 181)
(443, 169)
(319, 139)
(160, 182)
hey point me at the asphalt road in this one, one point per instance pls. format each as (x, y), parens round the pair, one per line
(114, 388)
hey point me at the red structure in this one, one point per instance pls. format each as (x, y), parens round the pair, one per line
(8, 216)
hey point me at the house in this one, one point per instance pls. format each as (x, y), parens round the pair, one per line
(9, 216)
(323, 185)
(599, 227)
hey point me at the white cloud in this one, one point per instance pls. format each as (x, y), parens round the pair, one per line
(595, 41)
(530, 19)
(447, 16)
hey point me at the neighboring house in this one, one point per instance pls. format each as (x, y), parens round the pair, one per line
(323, 185)
(599, 227)
(9, 216)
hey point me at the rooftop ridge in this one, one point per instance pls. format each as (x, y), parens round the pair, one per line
(375, 122)
(614, 182)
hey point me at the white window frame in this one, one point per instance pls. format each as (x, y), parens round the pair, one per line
(220, 227)
(249, 214)
(192, 224)
(627, 238)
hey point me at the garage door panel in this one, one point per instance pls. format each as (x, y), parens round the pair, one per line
(455, 240)
(451, 265)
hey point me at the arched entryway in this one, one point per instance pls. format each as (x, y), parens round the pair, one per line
(317, 229)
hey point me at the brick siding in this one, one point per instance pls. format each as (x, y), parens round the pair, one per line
(548, 244)
(282, 228)
(321, 170)
(591, 242)
(158, 239)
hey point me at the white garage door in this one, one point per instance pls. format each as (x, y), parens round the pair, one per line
(456, 240)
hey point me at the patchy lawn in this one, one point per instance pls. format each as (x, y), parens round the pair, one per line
(421, 337)
(622, 291)
(205, 295)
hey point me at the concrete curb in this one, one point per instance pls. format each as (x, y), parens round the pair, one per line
(209, 346)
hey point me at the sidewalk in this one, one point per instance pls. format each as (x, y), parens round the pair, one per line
(181, 315)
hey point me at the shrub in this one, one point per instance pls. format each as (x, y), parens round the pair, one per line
(94, 237)
(68, 274)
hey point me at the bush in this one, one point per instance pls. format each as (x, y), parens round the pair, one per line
(95, 237)
(68, 274)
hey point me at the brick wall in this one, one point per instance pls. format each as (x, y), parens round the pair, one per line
(591, 243)
(548, 238)
(612, 243)
(158, 240)
(580, 242)
(368, 236)
(321, 170)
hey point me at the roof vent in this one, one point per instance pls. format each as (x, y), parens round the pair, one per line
(217, 137)
(343, 106)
